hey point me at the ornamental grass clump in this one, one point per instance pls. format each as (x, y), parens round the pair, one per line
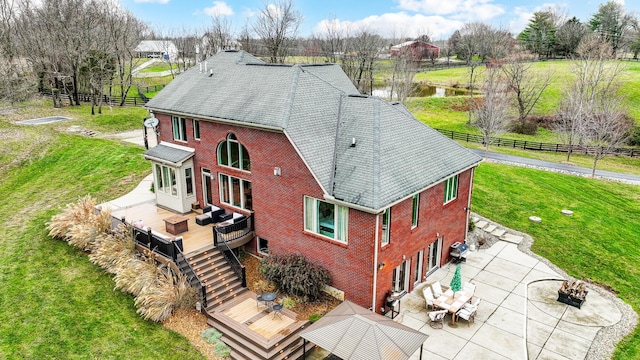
(294, 275)
(82, 212)
(157, 301)
(112, 251)
(85, 235)
(134, 275)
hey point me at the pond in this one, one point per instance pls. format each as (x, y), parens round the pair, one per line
(421, 90)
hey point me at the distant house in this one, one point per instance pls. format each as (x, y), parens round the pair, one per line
(352, 182)
(418, 49)
(161, 49)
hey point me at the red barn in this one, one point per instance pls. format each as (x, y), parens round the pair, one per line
(354, 183)
(418, 49)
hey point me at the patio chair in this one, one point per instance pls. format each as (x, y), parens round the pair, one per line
(259, 299)
(467, 313)
(437, 318)
(428, 297)
(277, 311)
(437, 289)
(469, 288)
(472, 304)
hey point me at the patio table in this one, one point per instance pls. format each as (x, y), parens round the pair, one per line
(268, 298)
(452, 303)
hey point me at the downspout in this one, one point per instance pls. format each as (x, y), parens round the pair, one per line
(468, 208)
(375, 265)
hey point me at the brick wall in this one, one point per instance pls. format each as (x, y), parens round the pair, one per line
(279, 209)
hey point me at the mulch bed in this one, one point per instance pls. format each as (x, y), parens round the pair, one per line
(303, 309)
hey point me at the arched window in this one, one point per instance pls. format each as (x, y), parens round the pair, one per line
(231, 153)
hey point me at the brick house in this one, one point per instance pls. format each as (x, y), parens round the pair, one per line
(418, 49)
(353, 182)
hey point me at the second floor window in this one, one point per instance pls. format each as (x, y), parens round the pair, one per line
(196, 129)
(179, 128)
(415, 211)
(386, 226)
(231, 153)
(451, 189)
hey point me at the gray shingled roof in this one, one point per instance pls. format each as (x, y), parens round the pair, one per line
(352, 332)
(395, 155)
(167, 153)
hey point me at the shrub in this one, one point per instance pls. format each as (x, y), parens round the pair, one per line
(314, 317)
(528, 128)
(288, 303)
(211, 335)
(221, 350)
(294, 275)
(472, 226)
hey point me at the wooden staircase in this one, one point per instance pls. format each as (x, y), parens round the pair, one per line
(216, 276)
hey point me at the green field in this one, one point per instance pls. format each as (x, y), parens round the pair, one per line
(592, 244)
(55, 303)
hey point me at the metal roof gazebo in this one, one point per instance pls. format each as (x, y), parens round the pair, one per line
(352, 332)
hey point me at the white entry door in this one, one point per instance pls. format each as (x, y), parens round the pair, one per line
(435, 252)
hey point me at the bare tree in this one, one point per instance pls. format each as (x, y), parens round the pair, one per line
(592, 110)
(491, 115)
(406, 65)
(360, 56)
(124, 35)
(331, 41)
(277, 28)
(472, 70)
(16, 81)
(525, 84)
(218, 37)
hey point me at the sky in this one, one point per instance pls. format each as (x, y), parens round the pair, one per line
(389, 18)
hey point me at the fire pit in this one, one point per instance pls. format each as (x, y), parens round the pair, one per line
(572, 293)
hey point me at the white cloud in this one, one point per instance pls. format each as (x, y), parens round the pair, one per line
(396, 25)
(470, 10)
(152, 1)
(219, 8)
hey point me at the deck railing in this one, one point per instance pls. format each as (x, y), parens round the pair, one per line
(223, 234)
(172, 250)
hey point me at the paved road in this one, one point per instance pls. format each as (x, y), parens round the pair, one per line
(635, 179)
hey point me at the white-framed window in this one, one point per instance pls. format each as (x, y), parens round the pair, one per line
(400, 275)
(196, 129)
(415, 210)
(166, 180)
(231, 153)
(179, 128)
(417, 275)
(263, 246)
(188, 178)
(326, 219)
(386, 226)
(451, 188)
(235, 192)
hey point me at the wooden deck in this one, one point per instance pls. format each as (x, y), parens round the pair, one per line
(152, 216)
(251, 329)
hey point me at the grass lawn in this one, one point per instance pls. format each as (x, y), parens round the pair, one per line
(158, 66)
(593, 244)
(54, 302)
